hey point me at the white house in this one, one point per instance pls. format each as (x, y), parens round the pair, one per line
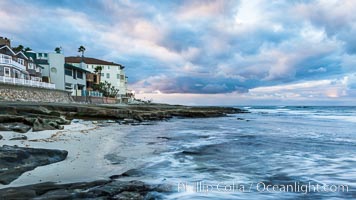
(111, 72)
(53, 68)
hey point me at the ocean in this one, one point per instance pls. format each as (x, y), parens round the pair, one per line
(270, 153)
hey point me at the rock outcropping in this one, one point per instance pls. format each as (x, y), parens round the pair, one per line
(21, 116)
(106, 189)
(14, 161)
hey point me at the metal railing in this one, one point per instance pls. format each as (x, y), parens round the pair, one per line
(31, 83)
(94, 93)
(80, 93)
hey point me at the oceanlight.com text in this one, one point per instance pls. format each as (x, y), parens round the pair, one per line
(295, 187)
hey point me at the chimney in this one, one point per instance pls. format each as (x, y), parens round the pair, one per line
(5, 41)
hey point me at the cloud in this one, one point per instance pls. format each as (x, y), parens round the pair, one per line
(320, 69)
(208, 48)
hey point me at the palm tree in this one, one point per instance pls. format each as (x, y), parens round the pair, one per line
(97, 70)
(81, 49)
(58, 49)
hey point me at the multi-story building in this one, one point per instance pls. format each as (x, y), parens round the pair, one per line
(75, 79)
(53, 68)
(18, 68)
(111, 72)
(12, 64)
(65, 76)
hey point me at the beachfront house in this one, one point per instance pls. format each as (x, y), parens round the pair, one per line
(75, 79)
(111, 72)
(17, 68)
(53, 68)
(65, 76)
(34, 70)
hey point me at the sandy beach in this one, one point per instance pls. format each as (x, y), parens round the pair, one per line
(78, 139)
(94, 140)
(88, 145)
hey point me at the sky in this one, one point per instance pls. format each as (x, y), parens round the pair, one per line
(247, 52)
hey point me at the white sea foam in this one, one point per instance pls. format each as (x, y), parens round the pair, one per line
(334, 117)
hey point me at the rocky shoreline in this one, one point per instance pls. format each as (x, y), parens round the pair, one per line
(16, 160)
(102, 189)
(23, 117)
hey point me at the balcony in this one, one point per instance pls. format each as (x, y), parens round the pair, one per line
(7, 60)
(24, 82)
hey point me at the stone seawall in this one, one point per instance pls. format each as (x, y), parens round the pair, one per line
(95, 100)
(33, 94)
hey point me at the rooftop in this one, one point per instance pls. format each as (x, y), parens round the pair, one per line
(75, 67)
(88, 60)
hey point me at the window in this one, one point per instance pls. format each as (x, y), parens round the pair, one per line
(108, 67)
(68, 72)
(68, 86)
(7, 72)
(102, 74)
(21, 61)
(17, 74)
(39, 54)
(80, 87)
(118, 76)
(31, 66)
(45, 55)
(107, 75)
(122, 77)
(80, 75)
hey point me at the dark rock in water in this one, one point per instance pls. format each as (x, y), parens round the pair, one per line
(115, 177)
(112, 189)
(17, 127)
(165, 138)
(14, 161)
(1, 137)
(190, 152)
(128, 173)
(240, 118)
(22, 137)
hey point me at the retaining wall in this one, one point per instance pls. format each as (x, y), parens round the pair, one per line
(95, 100)
(33, 94)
